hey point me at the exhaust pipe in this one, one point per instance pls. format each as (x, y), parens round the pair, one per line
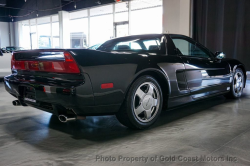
(65, 119)
(16, 103)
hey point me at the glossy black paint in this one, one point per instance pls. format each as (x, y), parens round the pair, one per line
(182, 79)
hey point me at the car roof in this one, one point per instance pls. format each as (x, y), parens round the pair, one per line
(135, 36)
(131, 37)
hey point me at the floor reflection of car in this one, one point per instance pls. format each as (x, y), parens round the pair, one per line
(13, 48)
(94, 47)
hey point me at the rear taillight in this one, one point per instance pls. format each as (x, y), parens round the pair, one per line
(67, 66)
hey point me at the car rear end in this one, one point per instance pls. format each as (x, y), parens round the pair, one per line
(50, 80)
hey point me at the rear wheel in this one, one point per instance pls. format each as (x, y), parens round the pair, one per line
(142, 105)
(237, 85)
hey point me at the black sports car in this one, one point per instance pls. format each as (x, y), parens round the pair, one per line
(132, 77)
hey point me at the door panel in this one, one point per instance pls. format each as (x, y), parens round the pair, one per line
(205, 75)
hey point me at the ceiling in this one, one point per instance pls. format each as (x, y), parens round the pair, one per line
(33, 5)
(31, 8)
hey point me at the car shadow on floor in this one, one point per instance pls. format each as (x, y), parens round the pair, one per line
(51, 136)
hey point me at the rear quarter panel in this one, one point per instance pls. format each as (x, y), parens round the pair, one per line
(117, 68)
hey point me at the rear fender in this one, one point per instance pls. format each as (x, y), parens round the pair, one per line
(154, 73)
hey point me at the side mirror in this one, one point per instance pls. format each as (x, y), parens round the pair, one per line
(220, 55)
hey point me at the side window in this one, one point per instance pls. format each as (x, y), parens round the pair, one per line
(127, 46)
(152, 44)
(189, 49)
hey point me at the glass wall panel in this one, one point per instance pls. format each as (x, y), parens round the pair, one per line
(33, 37)
(121, 12)
(55, 35)
(79, 33)
(44, 39)
(101, 24)
(145, 21)
(25, 35)
(101, 29)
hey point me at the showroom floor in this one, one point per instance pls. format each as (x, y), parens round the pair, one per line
(217, 128)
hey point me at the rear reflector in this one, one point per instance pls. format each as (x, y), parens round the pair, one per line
(107, 86)
(67, 65)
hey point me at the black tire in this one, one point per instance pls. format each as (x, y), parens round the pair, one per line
(127, 115)
(232, 94)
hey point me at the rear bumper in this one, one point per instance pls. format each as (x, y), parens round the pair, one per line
(55, 93)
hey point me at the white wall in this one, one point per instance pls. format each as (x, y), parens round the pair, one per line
(4, 34)
(177, 16)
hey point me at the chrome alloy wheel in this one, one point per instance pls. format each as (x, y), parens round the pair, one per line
(146, 102)
(238, 83)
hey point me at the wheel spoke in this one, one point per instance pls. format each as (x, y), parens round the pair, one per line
(148, 114)
(239, 79)
(236, 77)
(237, 90)
(140, 93)
(240, 84)
(155, 101)
(150, 90)
(139, 109)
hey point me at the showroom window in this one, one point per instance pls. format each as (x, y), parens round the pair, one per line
(101, 24)
(94, 26)
(121, 22)
(25, 34)
(79, 29)
(146, 17)
(44, 33)
(55, 32)
(33, 34)
(40, 33)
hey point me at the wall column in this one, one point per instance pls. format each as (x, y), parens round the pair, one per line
(177, 17)
(64, 29)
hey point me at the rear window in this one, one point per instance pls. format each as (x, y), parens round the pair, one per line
(133, 45)
(150, 43)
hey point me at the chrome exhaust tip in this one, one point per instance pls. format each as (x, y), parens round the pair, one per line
(65, 119)
(16, 103)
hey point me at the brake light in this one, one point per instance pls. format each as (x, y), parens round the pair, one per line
(68, 65)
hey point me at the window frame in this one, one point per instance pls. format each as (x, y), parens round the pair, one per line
(200, 46)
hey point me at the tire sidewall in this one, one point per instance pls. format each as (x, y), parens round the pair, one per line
(130, 111)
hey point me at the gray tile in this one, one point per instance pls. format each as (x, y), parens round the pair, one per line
(216, 127)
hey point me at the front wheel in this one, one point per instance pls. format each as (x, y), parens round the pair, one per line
(142, 105)
(237, 85)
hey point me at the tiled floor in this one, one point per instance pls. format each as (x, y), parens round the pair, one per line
(215, 128)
